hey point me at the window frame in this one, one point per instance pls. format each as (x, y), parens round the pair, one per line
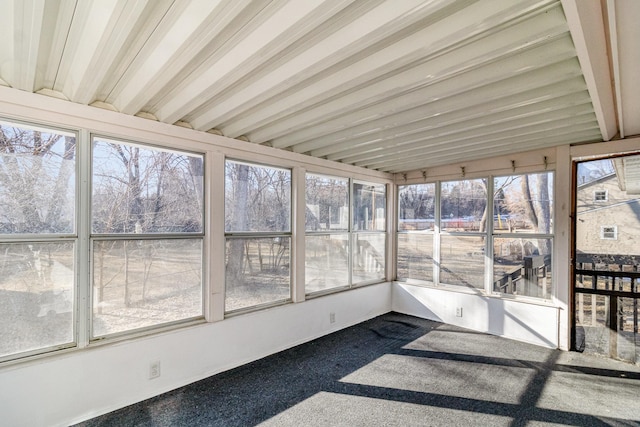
(373, 232)
(603, 232)
(352, 234)
(529, 236)
(597, 193)
(440, 232)
(489, 234)
(154, 136)
(72, 238)
(237, 235)
(418, 232)
(94, 237)
(320, 233)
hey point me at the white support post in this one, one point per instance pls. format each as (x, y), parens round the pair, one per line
(392, 215)
(561, 250)
(488, 248)
(298, 205)
(83, 248)
(215, 178)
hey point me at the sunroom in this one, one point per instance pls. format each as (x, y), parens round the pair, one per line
(188, 186)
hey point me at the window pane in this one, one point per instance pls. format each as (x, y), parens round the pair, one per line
(369, 206)
(609, 232)
(415, 256)
(523, 203)
(368, 257)
(522, 267)
(36, 296)
(257, 272)
(145, 190)
(141, 283)
(327, 202)
(463, 205)
(462, 261)
(600, 196)
(416, 206)
(257, 198)
(37, 181)
(327, 262)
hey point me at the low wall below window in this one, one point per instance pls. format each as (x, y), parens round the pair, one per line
(535, 323)
(62, 389)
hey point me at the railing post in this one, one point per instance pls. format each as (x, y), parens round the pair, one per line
(581, 308)
(613, 326)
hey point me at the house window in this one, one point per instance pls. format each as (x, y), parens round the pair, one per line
(600, 196)
(146, 236)
(38, 239)
(609, 232)
(258, 236)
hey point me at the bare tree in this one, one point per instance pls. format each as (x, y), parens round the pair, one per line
(35, 171)
(140, 191)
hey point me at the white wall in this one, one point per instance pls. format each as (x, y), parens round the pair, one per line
(535, 323)
(69, 388)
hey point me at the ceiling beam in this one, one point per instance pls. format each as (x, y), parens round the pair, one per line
(461, 144)
(537, 141)
(565, 75)
(615, 63)
(461, 120)
(586, 24)
(437, 46)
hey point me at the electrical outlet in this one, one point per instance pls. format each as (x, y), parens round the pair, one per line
(332, 318)
(154, 369)
(458, 311)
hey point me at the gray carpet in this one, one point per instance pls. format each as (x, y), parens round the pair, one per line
(398, 370)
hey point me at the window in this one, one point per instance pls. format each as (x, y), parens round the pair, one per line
(456, 248)
(37, 239)
(369, 205)
(416, 222)
(258, 235)
(609, 232)
(463, 216)
(600, 196)
(523, 234)
(345, 242)
(327, 233)
(147, 236)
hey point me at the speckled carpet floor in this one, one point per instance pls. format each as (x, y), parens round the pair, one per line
(398, 370)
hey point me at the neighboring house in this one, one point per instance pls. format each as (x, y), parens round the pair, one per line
(608, 217)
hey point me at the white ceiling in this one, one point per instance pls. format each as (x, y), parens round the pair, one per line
(392, 85)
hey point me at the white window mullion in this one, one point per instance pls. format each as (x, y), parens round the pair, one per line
(351, 232)
(391, 239)
(214, 236)
(83, 247)
(298, 180)
(436, 236)
(488, 258)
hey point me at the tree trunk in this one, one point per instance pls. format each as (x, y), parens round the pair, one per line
(197, 172)
(59, 193)
(239, 223)
(544, 212)
(529, 208)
